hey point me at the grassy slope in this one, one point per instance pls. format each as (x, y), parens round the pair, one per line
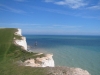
(10, 53)
(6, 36)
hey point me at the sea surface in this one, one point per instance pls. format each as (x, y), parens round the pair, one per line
(72, 51)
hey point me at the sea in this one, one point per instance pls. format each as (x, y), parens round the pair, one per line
(77, 51)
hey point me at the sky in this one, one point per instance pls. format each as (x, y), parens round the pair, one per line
(51, 17)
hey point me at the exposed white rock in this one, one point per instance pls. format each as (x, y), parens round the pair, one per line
(46, 61)
(21, 42)
(19, 32)
(39, 53)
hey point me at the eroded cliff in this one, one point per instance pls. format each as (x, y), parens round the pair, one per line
(21, 42)
(44, 61)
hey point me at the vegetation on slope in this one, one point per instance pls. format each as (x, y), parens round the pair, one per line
(6, 39)
(11, 53)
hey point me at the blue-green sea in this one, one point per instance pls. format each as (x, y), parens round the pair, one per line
(69, 50)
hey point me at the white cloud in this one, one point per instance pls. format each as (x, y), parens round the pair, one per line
(7, 8)
(72, 3)
(96, 7)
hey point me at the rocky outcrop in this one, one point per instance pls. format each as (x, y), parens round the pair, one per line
(67, 71)
(21, 42)
(45, 61)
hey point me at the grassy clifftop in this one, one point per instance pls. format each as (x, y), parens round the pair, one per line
(10, 53)
(6, 39)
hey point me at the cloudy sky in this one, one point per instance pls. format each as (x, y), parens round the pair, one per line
(51, 17)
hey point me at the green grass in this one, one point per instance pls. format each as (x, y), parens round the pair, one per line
(6, 39)
(10, 54)
(9, 68)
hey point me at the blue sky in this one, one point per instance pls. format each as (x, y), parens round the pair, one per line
(51, 17)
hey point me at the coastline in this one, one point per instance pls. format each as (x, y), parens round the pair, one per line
(47, 61)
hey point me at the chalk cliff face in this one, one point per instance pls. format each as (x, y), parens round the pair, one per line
(21, 42)
(19, 32)
(46, 61)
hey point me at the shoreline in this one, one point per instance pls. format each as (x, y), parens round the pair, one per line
(47, 61)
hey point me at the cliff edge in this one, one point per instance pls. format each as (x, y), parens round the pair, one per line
(21, 42)
(45, 61)
(67, 71)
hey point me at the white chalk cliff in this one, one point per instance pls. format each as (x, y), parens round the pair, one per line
(21, 42)
(46, 61)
